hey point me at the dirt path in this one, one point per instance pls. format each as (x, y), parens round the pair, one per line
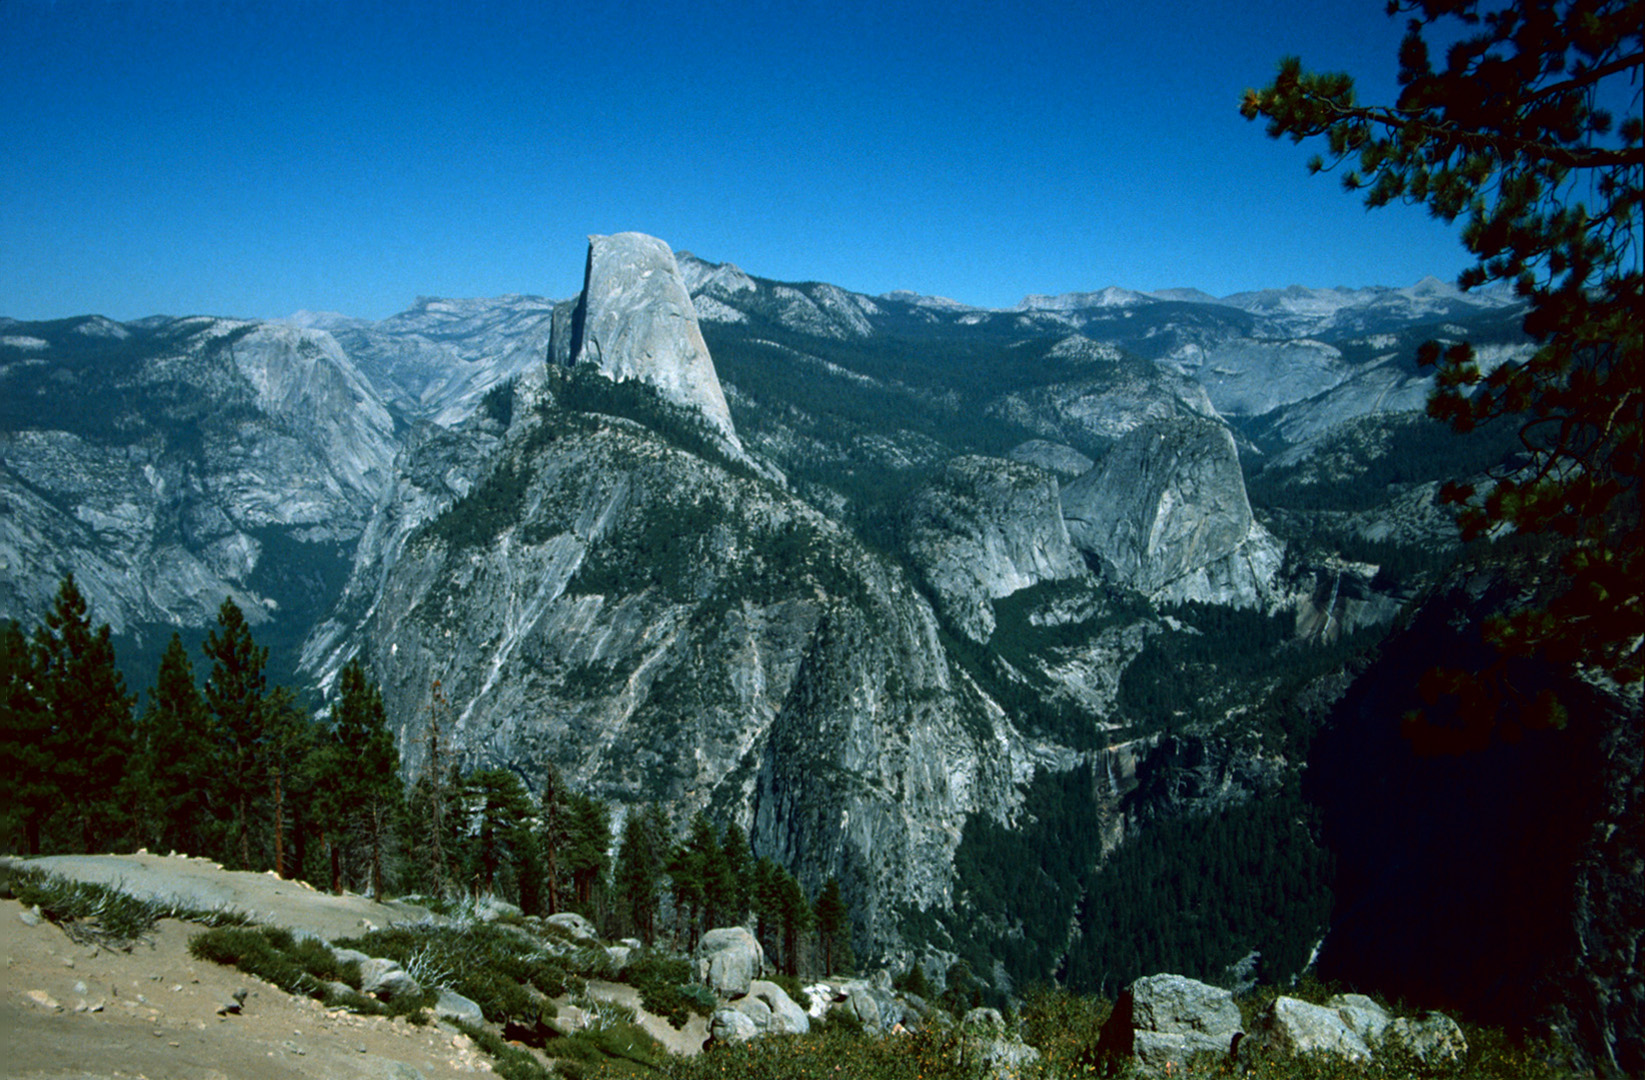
(200, 883)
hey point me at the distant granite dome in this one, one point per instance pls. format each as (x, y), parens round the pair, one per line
(635, 320)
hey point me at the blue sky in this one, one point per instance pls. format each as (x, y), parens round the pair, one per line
(233, 157)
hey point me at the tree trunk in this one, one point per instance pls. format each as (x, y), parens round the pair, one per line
(279, 826)
(336, 866)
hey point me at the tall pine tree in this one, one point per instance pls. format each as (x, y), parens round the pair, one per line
(91, 736)
(175, 755)
(235, 692)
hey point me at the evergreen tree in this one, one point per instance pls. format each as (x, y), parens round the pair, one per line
(31, 789)
(641, 861)
(697, 871)
(585, 855)
(358, 776)
(235, 692)
(175, 755)
(1514, 134)
(503, 849)
(289, 747)
(795, 913)
(553, 831)
(833, 920)
(91, 738)
(739, 873)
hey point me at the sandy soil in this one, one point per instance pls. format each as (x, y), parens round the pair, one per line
(78, 1012)
(72, 1011)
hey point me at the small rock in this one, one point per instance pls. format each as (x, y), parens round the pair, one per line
(80, 988)
(44, 1000)
(68, 961)
(30, 916)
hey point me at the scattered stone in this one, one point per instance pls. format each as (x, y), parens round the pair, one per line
(985, 1017)
(387, 979)
(580, 929)
(31, 916)
(81, 988)
(227, 1008)
(43, 1000)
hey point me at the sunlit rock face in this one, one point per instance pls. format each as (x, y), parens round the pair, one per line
(635, 320)
(985, 529)
(1168, 500)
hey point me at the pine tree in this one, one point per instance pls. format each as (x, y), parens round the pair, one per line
(175, 752)
(554, 830)
(833, 922)
(91, 738)
(30, 790)
(641, 861)
(739, 873)
(235, 692)
(586, 853)
(1514, 135)
(358, 776)
(288, 749)
(501, 812)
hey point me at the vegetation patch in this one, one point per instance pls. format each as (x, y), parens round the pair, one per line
(91, 914)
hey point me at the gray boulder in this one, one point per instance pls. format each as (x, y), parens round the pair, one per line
(787, 1018)
(575, 925)
(455, 1006)
(1161, 1020)
(1292, 1026)
(756, 1010)
(1434, 1037)
(728, 959)
(387, 979)
(731, 1026)
(635, 320)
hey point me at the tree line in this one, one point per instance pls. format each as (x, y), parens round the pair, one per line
(238, 771)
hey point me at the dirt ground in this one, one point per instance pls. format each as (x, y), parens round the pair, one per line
(72, 1011)
(75, 1012)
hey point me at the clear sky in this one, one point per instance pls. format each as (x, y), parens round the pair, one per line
(258, 157)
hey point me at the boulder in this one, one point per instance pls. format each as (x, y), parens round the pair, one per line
(787, 1018)
(756, 1010)
(729, 1025)
(455, 1006)
(985, 1018)
(575, 925)
(1293, 1026)
(387, 979)
(1434, 1037)
(1161, 1020)
(728, 959)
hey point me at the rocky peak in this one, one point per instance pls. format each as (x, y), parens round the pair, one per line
(1167, 500)
(635, 320)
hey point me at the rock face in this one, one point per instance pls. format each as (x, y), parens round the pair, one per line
(1167, 501)
(183, 461)
(665, 627)
(1161, 1020)
(635, 321)
(985, 529)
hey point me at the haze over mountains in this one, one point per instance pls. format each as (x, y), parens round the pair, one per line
(908, 589)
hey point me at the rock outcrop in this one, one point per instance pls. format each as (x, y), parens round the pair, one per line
(1162, 1020)
(1166, 502)
(635, 320)
(984, 529)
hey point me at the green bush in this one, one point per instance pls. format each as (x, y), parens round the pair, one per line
(307, 967)
(666, 987)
